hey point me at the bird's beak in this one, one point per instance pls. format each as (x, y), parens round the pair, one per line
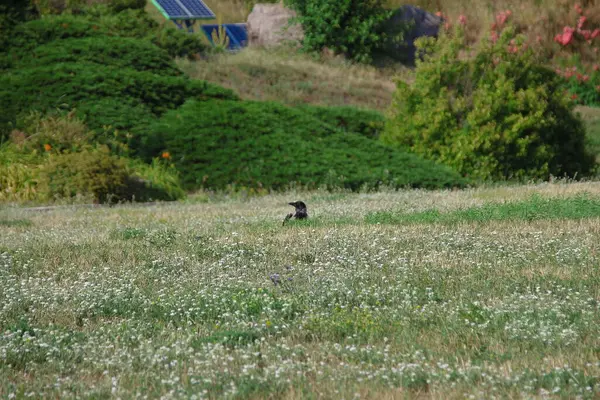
(292, 204)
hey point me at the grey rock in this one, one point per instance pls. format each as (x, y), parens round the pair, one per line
(414, 23)
(268, 26)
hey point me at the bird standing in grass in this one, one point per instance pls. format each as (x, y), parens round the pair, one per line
(301, 211)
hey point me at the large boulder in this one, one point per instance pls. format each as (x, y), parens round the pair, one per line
(412, 22)
(268, 26)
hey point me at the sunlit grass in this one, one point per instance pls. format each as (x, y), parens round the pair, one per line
(286, 76)
(535, 208)
(214, 298)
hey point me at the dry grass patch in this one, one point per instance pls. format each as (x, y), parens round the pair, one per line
(286, 76)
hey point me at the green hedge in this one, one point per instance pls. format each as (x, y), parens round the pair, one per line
(52, 63)
(13, 12)
(368, 123)
(129, 23)
(254, 144)
(67, 84)
(112, 118)
(138, 54)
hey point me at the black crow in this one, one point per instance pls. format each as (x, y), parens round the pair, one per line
(301, 211)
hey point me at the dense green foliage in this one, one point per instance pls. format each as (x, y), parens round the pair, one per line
(351, 27)
(115, 120)
(66, 84)
(102, 59)
(496, 115)
(104, 177)
(57, 157)
(100, 23)
(93, 174)
(253, 144)
(13, 12)
(121, 5)
(121, 52)
(39, 133)
(18, 174)
(368, 123)
(90, 172)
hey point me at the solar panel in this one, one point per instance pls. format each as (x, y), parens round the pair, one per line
(237, 34)
(184, 9)
(197, 7)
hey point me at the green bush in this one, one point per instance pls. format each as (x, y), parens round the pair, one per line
(215, 144)
(115, 121)
(178, 43)
(13, 12)
(368, 123)
(129, 23)
(121, 5)
(40, 133)
(29, 35)
(138, 54)
(49, 7)
(19, 174)
(351, 27)
(154, 181)
(67, 84)
(496, 115)
(105, 178)
(91, 173)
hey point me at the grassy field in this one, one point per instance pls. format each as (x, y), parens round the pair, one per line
(490, 292)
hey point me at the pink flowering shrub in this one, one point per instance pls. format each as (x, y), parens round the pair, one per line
(581, 80)
(499, 114)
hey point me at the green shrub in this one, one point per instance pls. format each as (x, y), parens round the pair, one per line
(116, 121)
(154, 181)
(40, 133)
(496, 115)
(19, 174)
(97, 174)
(178, 43)
(215, 144)
(13, 12)
(67, 84)
(121, 5)
(91, 173)
(29, 35)
(129, 23)
(351, 27)
(49, 7)
(138, 54)
(368, 123)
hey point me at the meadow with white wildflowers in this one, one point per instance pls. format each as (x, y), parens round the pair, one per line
(482, 293)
